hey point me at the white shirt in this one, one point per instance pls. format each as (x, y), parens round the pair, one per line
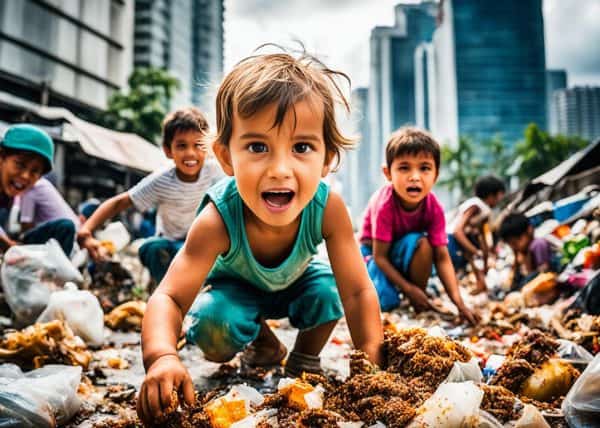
(176, 201)
(476, 220)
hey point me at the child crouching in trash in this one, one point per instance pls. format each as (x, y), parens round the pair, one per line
(256, 233)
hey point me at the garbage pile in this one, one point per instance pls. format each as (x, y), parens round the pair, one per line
(402, 393)
(532, 361)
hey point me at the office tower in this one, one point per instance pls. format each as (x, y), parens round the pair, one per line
(184, 37)
(392, 77)
(578, 111)
(72, 54)
(555, 79)
(489, 69)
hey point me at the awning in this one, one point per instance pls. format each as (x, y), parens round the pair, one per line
(122, 148)
(583, 160)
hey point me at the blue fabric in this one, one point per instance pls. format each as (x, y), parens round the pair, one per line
(401, 254)
(226, 317)
(239, 262)
(456, 253)
(157, 253)
(63, 230)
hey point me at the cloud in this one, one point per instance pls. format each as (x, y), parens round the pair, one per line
(338, 31)
(572, 35)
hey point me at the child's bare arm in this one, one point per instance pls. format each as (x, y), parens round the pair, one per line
(459, 232)
(358, 295)
(445, 270)
(168, 305)
(107, 210)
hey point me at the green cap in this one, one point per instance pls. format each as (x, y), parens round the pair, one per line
(30, 138)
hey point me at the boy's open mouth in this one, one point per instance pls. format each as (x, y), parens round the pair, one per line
(17, 185)
(413, 190)
(278, 198)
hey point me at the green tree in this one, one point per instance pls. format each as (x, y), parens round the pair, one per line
(142, 109)
(462, 166)
(498, 158)
(540, 151)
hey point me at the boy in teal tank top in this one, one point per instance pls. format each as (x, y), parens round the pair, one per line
(254, 238)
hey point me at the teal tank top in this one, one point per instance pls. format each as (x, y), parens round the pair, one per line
(239, 262)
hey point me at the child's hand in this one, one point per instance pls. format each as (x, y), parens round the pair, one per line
(92, 245)
(418, 298)
(165, 375)
(467, 314)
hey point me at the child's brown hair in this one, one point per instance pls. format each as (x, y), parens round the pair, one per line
(260, 80)
(183, 120)
(411, 141)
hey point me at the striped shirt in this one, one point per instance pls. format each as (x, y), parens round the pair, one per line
(176, 201)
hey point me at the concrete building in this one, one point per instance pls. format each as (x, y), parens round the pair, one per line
(392, 76)
(184, 37)
(359, 176)
(488, 69)
(555, 79)
(578, 111)
(71, 54)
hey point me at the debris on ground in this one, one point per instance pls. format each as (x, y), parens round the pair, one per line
(41, 344)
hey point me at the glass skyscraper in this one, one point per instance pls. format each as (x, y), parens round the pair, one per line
(490, 69)
(184, 37)
(392, 81)
(555, 80)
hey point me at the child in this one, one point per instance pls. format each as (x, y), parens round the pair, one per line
(26, 154)
(175, 192)
(532, 255)
(256, 233)
(43, 203)
(403, 231)
(466, 237)
(87, 208)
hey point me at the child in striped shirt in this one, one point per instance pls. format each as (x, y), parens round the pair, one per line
(175, 193)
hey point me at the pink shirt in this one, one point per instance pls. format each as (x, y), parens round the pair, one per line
(386, 220)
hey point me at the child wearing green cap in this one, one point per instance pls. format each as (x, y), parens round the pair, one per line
(26, 153)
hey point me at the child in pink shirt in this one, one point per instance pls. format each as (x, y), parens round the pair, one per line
(404, 230)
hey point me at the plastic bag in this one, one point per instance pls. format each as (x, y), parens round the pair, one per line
(452, 405)
(80, 309)
(44, 397)
(486, 420)
(582, 404)
(462, 372)
(531, 418)
(116, 233)
(589, 297)
(574, 353)
(30, 273)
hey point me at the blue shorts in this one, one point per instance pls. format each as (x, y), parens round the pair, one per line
(401, 254)
(457, 256)
(227, 317)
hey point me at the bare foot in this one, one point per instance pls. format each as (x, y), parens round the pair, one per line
(266, 350)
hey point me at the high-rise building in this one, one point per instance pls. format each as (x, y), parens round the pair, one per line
(578, 111)
(555, 79)
(208, 51)
(489, 69)
(358, 174)
(184, 37)
(71, 54)
(392, 77)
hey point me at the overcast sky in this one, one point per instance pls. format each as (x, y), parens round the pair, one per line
(338, 32)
